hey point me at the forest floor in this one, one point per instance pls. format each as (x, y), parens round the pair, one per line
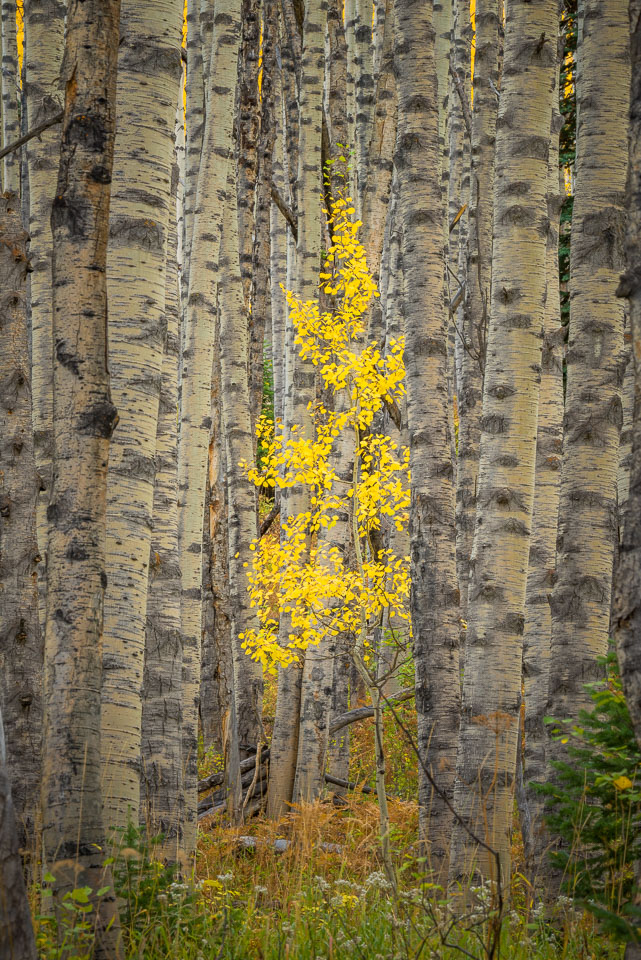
(326, 896)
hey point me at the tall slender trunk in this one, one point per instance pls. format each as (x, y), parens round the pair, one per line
(248, 125)
(20, 635)
(194, 126)
(17, 941)
(260, 317)
(84, 419)
(434, 598)
(161, 775)
(196, 372)
(364, 93)
(479, 273)
(44, 41)
(10, 95)
(588, 525)
(241, 493)
(149, 71)
(628, 582)
(496, 604)
(299, 373)
(278, 251)
(540, 578)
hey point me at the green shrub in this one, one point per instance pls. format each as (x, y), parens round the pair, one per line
(594, 807)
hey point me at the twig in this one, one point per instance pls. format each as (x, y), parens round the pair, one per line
(57, 118)
(465, 107)
(286, 211)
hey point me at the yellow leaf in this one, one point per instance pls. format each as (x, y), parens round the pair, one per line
(622, 783)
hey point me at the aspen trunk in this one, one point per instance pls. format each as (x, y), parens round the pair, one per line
(492, 681)
(149, 71)
(540, 578)
(628, 582)
(479, 273)
(248, 127)
(587, 530)
(627, 433)
(194, 125)
(241, 493)
(364, 93)
(44, 41)
(260, 317)
(17, 941)
(278, 251)
(434, 599)
(161, 777)
(84, 419)
(299, 374)
(196, 373)
(20, 635)
(10, 94)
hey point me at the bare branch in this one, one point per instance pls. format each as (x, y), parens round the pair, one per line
(57, 118)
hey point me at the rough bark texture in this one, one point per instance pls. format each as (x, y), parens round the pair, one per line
(364, 91)
(196, 372)
(241, 493)
(161, 774)
(194, 125)
(260, 316)
(540, 579)
(84, 419)
(496, 603)
(20, 635)
(588, 507)
(278, 251)
(44, 40)
(149, 71)
(10, 95)
(479, 272)
(627, 607)
(434, 598)
(299, 374)
(17, 941)
(247, 136)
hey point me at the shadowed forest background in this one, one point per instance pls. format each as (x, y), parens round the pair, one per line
(320, 479)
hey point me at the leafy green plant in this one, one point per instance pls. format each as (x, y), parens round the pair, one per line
(594, 806)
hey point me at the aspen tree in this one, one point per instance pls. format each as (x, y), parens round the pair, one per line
(44, 22)
(196, 372)
(260, 317)
(627, 613)
(299, 373)
(363, 93)
(84, 419)
(434, 599)
(627, 434)
(241, 494)
(492, 679)
(161, 776)
(149, 71)
(278, 248)
(194, 124)
(380, 163)
(10, 95)
(17, 941)
(540, 578)
(246, 140)
(588, 527)
(20, 635)
(478, 274)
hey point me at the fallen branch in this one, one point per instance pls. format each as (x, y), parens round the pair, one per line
(268, 520)
(217, 779)
(286, 211)
(57, 118)
(363, 713)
